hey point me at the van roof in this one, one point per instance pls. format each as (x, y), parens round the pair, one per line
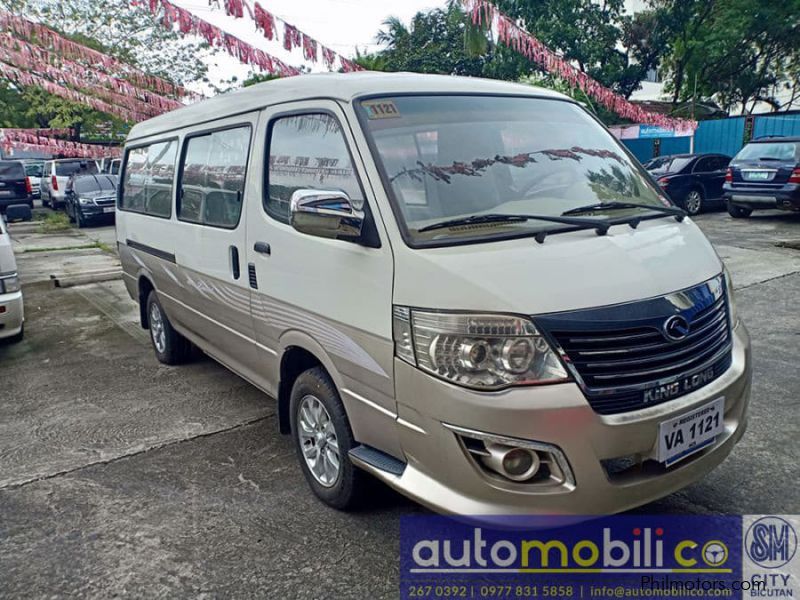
(335, 86)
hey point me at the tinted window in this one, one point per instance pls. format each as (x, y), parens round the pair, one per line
(149, 177)
(94, 183)
(12, 170)
(788, 151)
(671, 164)
(66, 169)
(34, 170)
(307, 152)
(447, 157)
(213, 177)
(704, 165)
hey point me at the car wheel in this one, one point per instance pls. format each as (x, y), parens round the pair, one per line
(693, 202)
(171, 347)
(323, 439)
(739, 212)
(79, 222)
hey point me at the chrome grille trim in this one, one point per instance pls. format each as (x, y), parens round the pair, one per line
(619, 354)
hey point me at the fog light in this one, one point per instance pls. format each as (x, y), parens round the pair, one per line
(517, 462)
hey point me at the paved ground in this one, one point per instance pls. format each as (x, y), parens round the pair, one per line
(119, 476)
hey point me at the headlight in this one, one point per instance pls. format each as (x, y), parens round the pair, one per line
(9, 284)
(476, 350)
(85, 201)
(729, 293)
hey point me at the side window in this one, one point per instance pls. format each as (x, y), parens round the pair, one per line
(149, 179)
(704, 165)
(307, 152)
(213, 172)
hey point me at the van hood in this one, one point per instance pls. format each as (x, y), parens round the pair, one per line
(567, 272)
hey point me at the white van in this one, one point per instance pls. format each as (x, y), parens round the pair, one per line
(12, 313)
(465, 288)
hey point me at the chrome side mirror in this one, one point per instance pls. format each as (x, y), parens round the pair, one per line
(325, 213)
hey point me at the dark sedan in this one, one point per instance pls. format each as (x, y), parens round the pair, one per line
(90, 198)
(692, 181)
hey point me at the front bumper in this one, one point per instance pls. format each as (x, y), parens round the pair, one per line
(12, 314)
(440, 475)
(786, 197)
(92, 211)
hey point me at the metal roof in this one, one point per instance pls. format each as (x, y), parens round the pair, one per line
(335, 86)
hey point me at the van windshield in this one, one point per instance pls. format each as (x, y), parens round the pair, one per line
(447, 157)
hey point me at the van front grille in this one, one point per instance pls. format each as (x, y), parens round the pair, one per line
(625, 358)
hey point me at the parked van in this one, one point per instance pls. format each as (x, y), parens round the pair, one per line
(465, 288)
(12, 314)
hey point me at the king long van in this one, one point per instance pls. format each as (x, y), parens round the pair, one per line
(466, 289)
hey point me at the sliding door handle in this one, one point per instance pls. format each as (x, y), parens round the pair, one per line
(235, 270)
(262, 248)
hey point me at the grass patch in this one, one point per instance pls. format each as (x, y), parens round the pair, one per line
(63, 248)
(55, 222)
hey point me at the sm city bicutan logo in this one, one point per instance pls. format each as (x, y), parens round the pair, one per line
(640, 550)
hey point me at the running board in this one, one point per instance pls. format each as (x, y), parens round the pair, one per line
(369, 456)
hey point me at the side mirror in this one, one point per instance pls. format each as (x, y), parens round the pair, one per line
(325, 213)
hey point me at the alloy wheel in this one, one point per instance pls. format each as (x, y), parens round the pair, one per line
(318, 441)
(157, 329)
(693, 202)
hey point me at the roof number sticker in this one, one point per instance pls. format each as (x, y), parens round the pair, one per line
(381, 109)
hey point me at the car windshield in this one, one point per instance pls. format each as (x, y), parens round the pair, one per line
(12, 170)
(94, 183)
(34, 169)
(668, 164)
(448, 157)
(69, 168)
(788, 151)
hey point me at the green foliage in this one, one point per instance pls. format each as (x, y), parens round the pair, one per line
(13, 109)
(54, 222)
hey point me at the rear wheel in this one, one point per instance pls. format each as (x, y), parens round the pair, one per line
(693, 202)
(171, 347)
(739, 212)
(323, 439)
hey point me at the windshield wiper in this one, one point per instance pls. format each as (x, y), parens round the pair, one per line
(673, 211)
(575, 223)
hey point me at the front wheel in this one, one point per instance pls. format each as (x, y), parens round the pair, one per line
(739, 212)
(79, 222)
(693, 202)
(323, 439)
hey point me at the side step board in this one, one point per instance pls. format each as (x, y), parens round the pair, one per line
(377, 459)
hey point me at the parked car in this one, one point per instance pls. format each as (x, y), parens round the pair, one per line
(56, 176)
(90, 198)
(765, 174)
(692, 181)
(15, 186)
(466, 288)
(34, 171)
(12, 313)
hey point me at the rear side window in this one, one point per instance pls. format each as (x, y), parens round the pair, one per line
(73, 167)
(12, 170)
(213, 172)
(33, 170)
(307, 152)
(149, 179)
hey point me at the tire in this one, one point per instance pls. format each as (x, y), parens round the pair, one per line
(348, 488)
(171, 347)
(739, 212)
(693, 202)
(71, 215)
(79, 222)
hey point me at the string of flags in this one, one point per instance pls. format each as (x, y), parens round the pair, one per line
(40, 140)
(484, 13)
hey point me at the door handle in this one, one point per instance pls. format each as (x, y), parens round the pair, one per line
(262, 248)
(235, 262)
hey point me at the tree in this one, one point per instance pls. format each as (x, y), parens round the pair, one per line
(123, 30)
(739, 51)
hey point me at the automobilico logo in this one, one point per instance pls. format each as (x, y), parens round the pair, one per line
(771, 542)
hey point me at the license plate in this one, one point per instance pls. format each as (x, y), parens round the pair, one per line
(690, 432)
(109, 209)
(757, 175)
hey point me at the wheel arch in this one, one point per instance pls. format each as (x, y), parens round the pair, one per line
(299, 352)
(144, 285)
